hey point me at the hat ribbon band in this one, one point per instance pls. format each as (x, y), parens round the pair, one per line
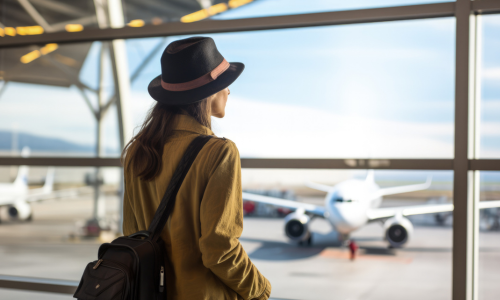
(209, 77)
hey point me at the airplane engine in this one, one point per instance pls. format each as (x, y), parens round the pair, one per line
(398, 231)
(20, 211)
(297, 227)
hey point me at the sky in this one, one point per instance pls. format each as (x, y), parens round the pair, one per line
(364, 90)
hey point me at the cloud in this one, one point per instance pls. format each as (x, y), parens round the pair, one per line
(491, 20)
(491, 73)
(263, 129)
(491, 105)
(276, 130)
(490, 129)
(260, 129)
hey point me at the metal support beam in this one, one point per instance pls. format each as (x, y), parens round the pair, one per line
(119, 65)
(3, 88)
(137, 72)
(87, 101)
(38, 284)
(410, 12)
(35, 15)
(149, 57)
(60, 161)
(99, 200)
(60, 7)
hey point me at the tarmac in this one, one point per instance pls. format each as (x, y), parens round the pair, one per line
(47, 248)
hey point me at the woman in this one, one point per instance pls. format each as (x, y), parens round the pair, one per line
(206, 258)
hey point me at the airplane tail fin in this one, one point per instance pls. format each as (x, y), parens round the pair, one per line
(22, 176)
(370, 177)
(48, 186)
(22, 173)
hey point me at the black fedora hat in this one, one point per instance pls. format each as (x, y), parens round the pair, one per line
(192, 69)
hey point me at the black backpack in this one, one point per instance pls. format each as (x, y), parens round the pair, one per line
(133, 267)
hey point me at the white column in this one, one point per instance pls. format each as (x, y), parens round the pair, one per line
(121, 76)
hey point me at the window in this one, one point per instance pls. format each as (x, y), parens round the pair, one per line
(489, 226)
(370, 90)
(290, 7)
(490, 87)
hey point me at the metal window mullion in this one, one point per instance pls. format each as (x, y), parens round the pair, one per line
(274, 163)
(486, 6)
(464, 183)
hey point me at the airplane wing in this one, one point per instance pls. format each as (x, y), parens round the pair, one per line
(381, 213)
(318, 186)
(403, 189)
(65, 193)
(293, 205)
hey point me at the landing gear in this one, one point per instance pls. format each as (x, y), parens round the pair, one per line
(307, 242)
(440, 219)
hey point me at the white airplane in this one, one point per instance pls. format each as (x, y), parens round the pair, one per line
(352, 204)
(17, 196)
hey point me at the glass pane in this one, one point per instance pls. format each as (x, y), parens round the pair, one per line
(52, 234)
(490, 87)
(292, 7)
(489, 237)
(322, 270)
(370, 90)
(49, 101)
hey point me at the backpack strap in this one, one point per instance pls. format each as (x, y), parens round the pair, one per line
(167, 203)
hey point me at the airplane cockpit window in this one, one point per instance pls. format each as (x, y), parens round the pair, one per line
(340, 198)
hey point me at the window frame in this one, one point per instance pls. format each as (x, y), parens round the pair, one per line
(466, 163)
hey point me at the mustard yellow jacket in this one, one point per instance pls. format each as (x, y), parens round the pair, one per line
(207, 259)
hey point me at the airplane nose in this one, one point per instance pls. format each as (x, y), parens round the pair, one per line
(348, 216)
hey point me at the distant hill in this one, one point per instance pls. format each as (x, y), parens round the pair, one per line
(44, 144)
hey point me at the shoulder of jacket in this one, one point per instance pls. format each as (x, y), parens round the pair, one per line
(220, 149)
(224, 144)
(222, 140)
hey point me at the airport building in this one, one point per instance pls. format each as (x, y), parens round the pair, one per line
(366, 126)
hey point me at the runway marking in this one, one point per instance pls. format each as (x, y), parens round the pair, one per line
(332, 253)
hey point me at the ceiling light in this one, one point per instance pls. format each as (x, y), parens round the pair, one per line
(73, 27)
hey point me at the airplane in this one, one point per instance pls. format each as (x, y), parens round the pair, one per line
(352, 204)
(17, 196)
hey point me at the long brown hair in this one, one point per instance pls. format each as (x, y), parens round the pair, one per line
(146, 153)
